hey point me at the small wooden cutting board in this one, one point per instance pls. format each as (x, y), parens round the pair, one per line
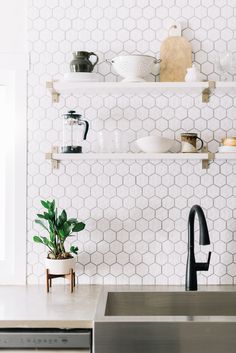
(176, 56)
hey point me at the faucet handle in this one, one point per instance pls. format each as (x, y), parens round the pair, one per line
(208, 260)
(203, 266)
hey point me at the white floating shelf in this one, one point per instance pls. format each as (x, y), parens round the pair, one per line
(205, 157)
(111, 156)
(225, 155)
(226, 87)
(57, 157)
(127, 87)
(225, 84)
(103, 88)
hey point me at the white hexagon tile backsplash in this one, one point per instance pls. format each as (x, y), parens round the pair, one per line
(135, 211)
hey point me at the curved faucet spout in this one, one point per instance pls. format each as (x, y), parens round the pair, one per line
(192, 266)
(204, 234)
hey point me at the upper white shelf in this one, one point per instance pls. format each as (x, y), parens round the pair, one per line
(69, 87)
(226, 86)
(77, 88)
(205, 88)
(130, 155)
(103, 88)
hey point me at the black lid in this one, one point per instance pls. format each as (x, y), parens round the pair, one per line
(72, 115)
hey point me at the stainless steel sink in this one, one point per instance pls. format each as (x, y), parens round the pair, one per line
(166, 322)
(170, 304)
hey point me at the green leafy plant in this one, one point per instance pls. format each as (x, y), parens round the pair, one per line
(59, 228)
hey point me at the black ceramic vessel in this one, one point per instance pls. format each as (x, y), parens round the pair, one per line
(71, 149)
(81, 62)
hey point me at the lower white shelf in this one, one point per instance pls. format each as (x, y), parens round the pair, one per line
(57, 157)
(225, 155)
(204, 157)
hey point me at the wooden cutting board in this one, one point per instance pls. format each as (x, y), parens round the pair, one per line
(176, 56)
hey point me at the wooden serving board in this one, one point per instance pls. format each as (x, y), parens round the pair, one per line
(176, 56)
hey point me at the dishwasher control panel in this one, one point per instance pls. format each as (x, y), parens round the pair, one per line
(46, 338)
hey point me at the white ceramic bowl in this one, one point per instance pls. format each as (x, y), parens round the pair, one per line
(134, 68)
(154, 144)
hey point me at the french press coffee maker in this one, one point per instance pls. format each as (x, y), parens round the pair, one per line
(73, 134)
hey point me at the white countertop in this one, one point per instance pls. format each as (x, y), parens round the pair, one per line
(32, 306)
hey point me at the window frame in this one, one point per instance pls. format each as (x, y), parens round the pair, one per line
(13, 269)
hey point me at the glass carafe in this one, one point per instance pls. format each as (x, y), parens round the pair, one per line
(75, 131)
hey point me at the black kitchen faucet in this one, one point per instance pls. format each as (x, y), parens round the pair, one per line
(192, 266)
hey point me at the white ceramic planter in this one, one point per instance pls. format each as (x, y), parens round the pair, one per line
(60, 267)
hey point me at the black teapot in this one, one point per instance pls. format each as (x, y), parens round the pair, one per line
(81, 62)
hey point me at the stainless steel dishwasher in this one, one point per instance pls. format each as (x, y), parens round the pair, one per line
(46, 340)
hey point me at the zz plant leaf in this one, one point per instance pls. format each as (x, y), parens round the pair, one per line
(37, 239)
(78, 227)
(45, 204)
(74, 249)
(59, 227)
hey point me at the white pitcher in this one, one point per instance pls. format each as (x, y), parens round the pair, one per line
(193, 75)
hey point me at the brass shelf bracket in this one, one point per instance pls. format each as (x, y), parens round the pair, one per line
(207, 92)
(49, 156)
(54, 93)
(206, 162)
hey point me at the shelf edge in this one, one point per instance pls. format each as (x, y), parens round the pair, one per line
(120, 156)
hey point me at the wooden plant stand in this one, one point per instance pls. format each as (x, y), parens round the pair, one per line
(70, 276)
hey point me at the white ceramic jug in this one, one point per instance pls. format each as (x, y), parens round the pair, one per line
(193, 75)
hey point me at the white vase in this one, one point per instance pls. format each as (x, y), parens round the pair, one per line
(60, 267)
(193, 75)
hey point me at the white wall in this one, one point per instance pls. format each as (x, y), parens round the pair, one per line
(13, 26)
(135, 211)
(14, 63)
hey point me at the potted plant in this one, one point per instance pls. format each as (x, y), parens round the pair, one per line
(59, 227)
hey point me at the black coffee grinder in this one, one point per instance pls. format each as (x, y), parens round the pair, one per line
(73, 134)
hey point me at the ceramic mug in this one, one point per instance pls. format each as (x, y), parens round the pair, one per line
(189, 142)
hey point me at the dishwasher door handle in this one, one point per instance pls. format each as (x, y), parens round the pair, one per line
(79, 350)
